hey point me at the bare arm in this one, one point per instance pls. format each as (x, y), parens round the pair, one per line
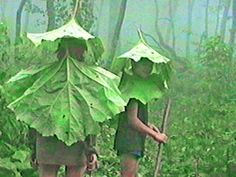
(136, 123)
(92, 155)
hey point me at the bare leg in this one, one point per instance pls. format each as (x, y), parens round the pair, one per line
(46, 170)
(129, 166)
(75, 171)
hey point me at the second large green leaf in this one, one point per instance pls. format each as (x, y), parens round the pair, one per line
(143, 89)
(161, 64)
(67, 99)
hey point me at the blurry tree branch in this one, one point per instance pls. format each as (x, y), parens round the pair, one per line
(116, 32)
(2, 9)
(206, 17)
(162, 43)
(233, 29)
(171, 30)
(18, 18)
(189, 27)
(224, 18)
(181, 61)
(218, 17)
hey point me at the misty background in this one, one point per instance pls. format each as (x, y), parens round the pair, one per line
(182, 24)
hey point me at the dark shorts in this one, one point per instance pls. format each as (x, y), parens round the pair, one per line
(137, 154)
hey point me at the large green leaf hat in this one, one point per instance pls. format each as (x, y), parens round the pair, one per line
(143, 89)
(67, 98)
(71, 30)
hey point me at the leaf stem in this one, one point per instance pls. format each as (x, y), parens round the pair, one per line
(140, 33)
(78, 5)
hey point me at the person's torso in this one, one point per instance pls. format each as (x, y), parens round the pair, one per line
(127, 138)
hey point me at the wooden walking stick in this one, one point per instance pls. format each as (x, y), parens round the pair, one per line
(160, 145)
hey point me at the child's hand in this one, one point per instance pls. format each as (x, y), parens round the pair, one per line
(92, 163)
(160, 137)
(34, 163)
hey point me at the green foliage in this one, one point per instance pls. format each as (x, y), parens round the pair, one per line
(66, 98)
(63, 12)
(214, 52)
(32, 8)
(141, 50)
(95, 50)
(202, 127)
(16, 164)
(109, 161)
(202, 141)
(14, 143)
(74, 31)
(143, 89)
(86, 17)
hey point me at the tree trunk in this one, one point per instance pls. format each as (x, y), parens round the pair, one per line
(26, 22)
(163, 45)
(233, 30)
(217, 17)
(169, 51)
(224, 19)
(189, 30)
(172, 11)
(51, 15)
(206, 17)
(18, 18)
(116, 32)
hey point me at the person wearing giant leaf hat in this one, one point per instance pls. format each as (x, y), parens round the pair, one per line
(145, 77)
(65, 101)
